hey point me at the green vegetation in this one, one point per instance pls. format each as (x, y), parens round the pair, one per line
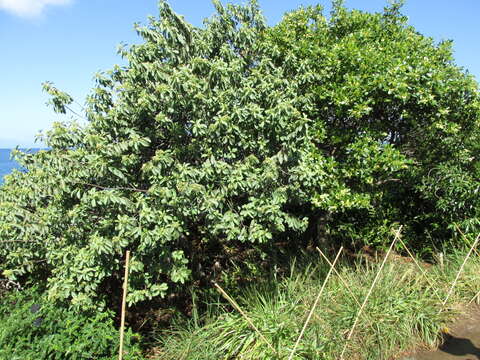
(218, 152)
(32, 328)
(402, 313)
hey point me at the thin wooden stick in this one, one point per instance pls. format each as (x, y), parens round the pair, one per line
(420, 268)
(247, 319)
(397, 235)
(339, 276)
(459, 272)
(461, 232)
(124, 302)
(345, 284)
(478, 254)
(332, 266)
(473, 299)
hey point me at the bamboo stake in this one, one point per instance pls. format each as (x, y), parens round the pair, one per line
(464, 236)
(397, 235)
(124, 300)
(473, 299)
(332, 266)
(461, 232)
(478, 254)
(421, 269)
(339, 276)
(247, 319)
(346, 286)
(459, 272)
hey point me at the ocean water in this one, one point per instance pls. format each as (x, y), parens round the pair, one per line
(7, 164)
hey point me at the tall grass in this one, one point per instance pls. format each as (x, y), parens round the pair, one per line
(403, 312)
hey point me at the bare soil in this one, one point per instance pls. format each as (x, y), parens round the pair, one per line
(461, 341)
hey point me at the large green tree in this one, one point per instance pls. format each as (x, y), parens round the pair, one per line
(219, 141)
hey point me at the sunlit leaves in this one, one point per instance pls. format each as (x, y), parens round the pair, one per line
(222, 139)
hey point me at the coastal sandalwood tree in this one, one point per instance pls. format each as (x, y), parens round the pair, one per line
(219, 144)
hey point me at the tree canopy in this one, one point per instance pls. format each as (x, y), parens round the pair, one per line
(219, 141)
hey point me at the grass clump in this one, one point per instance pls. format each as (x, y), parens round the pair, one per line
(403, 312)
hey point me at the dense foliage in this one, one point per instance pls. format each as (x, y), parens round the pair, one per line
(219, 142)
(32, 328)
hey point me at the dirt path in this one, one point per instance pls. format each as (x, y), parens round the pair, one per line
(461, 343)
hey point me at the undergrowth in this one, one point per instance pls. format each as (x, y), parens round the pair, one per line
(32, 328)
(403, 312)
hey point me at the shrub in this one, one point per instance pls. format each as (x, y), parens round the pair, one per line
(31, 328)
(215, 144)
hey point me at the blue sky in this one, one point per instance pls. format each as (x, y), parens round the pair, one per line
(68, 41)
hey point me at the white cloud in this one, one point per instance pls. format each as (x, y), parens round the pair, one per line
(29, 8)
